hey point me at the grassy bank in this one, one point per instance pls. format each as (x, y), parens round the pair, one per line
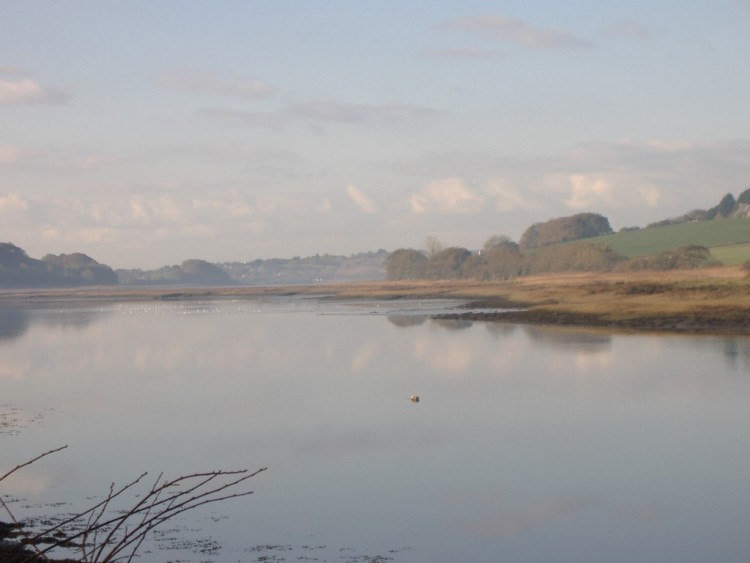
(714, 300)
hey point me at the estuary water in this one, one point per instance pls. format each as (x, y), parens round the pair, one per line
(528, 444)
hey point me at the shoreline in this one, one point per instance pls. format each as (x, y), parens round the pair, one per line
(711, 301)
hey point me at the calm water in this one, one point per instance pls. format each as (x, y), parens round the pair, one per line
(529, 444)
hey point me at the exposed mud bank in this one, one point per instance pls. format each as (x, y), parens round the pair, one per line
(730, 322)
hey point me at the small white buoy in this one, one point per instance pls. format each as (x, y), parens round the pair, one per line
(414, 398)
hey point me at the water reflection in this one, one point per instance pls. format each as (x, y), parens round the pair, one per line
(737, 353)
(16, 319)
(452, 324)
(13, 323)
(527, 442)
(570, 339)
(406, 321)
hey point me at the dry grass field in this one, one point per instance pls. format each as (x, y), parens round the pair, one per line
(711, 300)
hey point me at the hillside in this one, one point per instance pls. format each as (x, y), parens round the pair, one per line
(17, 269)
(728, 239)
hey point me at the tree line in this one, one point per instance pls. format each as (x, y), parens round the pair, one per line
(539, 251)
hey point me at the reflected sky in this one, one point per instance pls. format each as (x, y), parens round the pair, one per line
(528, 444)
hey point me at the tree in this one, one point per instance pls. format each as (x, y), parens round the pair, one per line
(497, 240)
(572, 257)
(583, 225)
(432, 246)
(405, 264)
(726, 205)
(503, 261)
(685, 258)
(447, 264)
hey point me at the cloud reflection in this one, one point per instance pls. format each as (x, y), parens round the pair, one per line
(516, 521)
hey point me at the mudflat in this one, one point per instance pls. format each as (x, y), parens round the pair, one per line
(713, 300)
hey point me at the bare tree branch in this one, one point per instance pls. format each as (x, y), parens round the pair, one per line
(104, 538)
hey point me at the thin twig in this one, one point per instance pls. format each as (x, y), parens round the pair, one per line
(22, 529)
(37, 458)
(163, 501)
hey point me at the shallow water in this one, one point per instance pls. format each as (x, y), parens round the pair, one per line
(528, 443)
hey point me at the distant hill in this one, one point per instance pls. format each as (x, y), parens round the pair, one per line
(320, 268)
(17, 269)
(82, 270)
(728, 208)
(190, 272)
(274, 271)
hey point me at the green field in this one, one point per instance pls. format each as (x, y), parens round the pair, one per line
(732, 254)
(728, 239)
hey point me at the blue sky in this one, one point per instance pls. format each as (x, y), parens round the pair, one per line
(144, 133)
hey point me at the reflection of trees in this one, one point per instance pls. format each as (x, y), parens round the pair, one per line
(453, 324)
(565, 337)
(737, 353)
(16, 320)
(501, 329)
(403, 321)
(13, 323)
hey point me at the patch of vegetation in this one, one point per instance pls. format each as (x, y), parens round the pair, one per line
(686, 258)
(654, 240)
(561, 229)
(732, 254)
(573, 257)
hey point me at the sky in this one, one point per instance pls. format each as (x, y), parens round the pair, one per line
(147, 132)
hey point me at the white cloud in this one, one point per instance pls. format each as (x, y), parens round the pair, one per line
(650, 195)
(361, 200)
(227, 207)
(605, 191)
(157, 210)
(93, 235)
(501, 28)
(588, 191)
(196, 81)
(507, 196)
(449, 196)
(17, 88)
(10, 154)
(19, 91)
(13, 202)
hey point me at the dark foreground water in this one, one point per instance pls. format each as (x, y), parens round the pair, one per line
(529, 444)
